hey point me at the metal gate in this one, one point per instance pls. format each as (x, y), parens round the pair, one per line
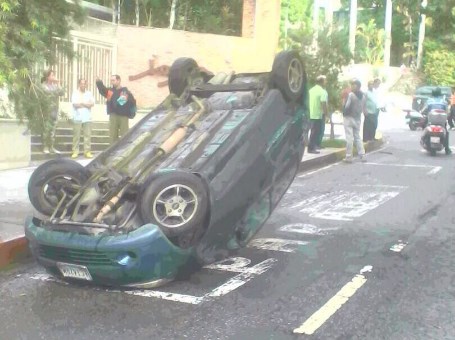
(93, 58)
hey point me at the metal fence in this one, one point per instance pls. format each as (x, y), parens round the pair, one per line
(94, 58)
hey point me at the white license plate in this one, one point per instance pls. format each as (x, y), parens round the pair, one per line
(74, 271)
(435, 139)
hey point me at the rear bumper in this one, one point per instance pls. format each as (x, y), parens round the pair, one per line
(142, 256)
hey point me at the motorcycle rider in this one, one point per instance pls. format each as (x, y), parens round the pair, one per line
(437, 102)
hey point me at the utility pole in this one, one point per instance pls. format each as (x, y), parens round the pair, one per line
(315, 22)
(352, 25)
(329, 13)
(421, 34)
(388, 32)
(137, 12)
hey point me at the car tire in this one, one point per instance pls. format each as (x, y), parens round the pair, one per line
(177, 202)
(412, 126)
(47, 180)
(184, 73)
(288, 75)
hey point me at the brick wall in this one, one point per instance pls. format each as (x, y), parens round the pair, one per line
(217, 53)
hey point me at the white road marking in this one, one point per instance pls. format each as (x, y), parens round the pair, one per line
(190, 299)
(303, 228)
(380, 186)
(241, 279)
(315, 171)
(276, 244)
(316, 320)
(435, 170)
(235, 264)
(401, 165)
(344, 205)
(232, 264)
(399, 246)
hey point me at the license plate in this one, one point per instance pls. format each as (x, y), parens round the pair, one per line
(435, 139)
(74, 271)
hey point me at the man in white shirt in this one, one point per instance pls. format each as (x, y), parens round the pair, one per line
(83, 102)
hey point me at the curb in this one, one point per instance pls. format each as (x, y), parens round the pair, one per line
(15, 250)
(336, 156)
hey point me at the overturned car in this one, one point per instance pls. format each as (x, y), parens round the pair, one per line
(193, 180)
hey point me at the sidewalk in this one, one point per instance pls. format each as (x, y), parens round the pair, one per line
(15, 204)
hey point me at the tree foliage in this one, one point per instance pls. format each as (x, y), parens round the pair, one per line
(31, 31)
(370, 47)
(207, 16)
(439, 64)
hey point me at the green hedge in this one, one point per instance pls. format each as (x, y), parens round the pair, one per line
(439, 64)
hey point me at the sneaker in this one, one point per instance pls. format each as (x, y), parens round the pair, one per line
(46, 150)
(74, 155)
(363, 158)
(448, 152)
(313, 151)
(54, 150)
(88, 155)
(348, 160)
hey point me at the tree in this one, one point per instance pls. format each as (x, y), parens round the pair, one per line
(31, 32)
(371, 43)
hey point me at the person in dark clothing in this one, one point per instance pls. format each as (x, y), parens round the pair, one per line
(121, 106)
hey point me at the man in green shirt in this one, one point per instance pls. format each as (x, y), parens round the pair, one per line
(318, 109)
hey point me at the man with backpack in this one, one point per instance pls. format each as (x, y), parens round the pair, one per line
(121, 106)
(352, 118)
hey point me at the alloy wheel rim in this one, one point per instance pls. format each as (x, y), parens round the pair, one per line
(295, 75)
(175, 205)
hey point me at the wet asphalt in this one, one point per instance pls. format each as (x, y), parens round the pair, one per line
(346, 217)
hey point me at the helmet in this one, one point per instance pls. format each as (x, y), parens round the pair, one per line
(436, 92)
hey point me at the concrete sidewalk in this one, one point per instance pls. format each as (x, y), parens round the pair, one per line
(15, 204)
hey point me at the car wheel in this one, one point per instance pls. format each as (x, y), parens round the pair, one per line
(46, 185)
(412, 126)
(176, 201)
(288, 75)
(183, 74)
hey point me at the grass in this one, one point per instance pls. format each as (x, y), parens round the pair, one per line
(333, 143)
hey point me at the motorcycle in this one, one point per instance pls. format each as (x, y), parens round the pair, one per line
(415, 119)
(435, 134)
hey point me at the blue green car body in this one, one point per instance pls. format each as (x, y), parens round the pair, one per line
(245, 153)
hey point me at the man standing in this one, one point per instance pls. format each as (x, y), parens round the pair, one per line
(53, 90)
(83, 102)
(371, 114)
(352, 116)
(121, 106)
(318, 110)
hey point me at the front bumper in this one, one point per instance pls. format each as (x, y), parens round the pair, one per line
(143, 257)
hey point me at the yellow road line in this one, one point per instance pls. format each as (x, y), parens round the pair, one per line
(325, 312)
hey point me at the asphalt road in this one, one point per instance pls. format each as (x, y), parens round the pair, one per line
(359, 251)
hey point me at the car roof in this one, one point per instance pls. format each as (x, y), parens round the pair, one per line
(427, 90)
